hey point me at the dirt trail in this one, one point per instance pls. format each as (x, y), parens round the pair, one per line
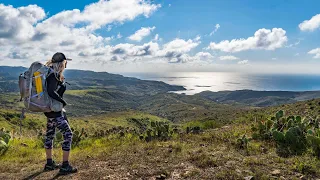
(92, 169)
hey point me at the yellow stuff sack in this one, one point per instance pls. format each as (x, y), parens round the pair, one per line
(38, 83)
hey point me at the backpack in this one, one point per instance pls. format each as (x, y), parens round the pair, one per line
(33, 92)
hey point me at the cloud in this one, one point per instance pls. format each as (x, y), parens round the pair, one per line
(310, 25)
(297, 54)
(315, 52)
(141, 33)
(108, 39)
(104, 12)
(156, 37)
(217, 26)
(197, 38)
(131, 50)
(204, 56)
(180, 45)
(274, 58)
(263, 39)
(94, 52)
(228, 58)
(173, 52)
(109, 28)
(25, 23)
(67, 43)
(119, 36)
(18, 55)
(243, 62)
(74, 32)
(71, 31)
(294, 44)
(18, 23)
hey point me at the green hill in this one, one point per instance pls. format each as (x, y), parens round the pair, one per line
(259, 98)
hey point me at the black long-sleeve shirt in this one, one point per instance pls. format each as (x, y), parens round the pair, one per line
(52, 85)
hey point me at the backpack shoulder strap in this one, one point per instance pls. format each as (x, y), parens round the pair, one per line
(51, 71)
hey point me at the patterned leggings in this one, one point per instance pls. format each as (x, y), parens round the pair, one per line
(62, 124)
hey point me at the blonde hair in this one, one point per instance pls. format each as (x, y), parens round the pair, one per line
(58, 68)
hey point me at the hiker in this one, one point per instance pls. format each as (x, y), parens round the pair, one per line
(56, 88)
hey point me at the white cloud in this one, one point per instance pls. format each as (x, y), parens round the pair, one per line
(243, 62)
(217, 26)
(156, 37)
(274, 58)
(119, 36)
(197, 38)
(315, 52)
(19, 55)
(126, 50)
(70, 31)
(173, 52)
(109, 28)
(262, 39)
(310, 25)
(18, 23)
(297, 54)
(141, 33)
(228, 58)
(108, 39)
(294, 44)
(180, 45)
(105, 12)
(204, 56)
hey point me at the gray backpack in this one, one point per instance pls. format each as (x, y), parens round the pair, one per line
(33, 89)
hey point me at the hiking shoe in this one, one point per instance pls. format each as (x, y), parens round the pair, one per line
(51, 167)
(67, 170)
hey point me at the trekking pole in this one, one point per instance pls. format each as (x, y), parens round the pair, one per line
(21, 118)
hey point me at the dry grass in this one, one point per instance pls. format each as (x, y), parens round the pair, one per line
(203, 156)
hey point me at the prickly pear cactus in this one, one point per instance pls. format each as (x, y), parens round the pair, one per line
(278, 136)
(77, 137)
(4, 140)
(279, 114)
(158, 131)
(242, 143)
(314, 142)
(293, 134)
(5, 135)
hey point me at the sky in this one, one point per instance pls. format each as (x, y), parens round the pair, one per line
(164, 35)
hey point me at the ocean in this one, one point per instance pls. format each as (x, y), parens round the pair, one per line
(196, 82)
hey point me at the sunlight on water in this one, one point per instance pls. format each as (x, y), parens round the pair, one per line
(196, 82)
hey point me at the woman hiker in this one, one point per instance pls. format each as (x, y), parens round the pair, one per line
(55, 88)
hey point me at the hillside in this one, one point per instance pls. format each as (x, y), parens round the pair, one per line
(134, 129)
(93, 93)
(90, 80)
(259, 98)
(211, 154)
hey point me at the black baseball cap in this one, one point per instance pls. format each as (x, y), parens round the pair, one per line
(59, 57)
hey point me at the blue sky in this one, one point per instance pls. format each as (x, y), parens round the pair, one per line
(177, 23)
